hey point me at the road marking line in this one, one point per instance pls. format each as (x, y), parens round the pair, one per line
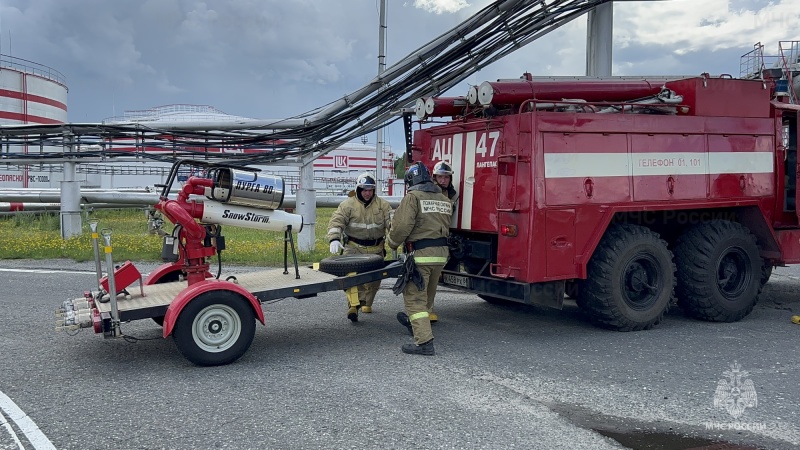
(11, 431)
(28, 427)
(45, 271)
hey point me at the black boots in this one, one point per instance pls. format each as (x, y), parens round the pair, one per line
(352, 313)
(403, 319)
(425, 349)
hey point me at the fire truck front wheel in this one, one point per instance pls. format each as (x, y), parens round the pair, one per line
(630, 279)
(215, 328)
(720, 271)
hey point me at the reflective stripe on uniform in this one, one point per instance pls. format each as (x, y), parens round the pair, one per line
(364, 225)
(418, 315)
(334, 230)
(430, 259)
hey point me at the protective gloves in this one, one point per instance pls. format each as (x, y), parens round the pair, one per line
(336, 247)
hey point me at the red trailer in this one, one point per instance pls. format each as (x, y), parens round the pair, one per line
(211, 320)
(628, 195)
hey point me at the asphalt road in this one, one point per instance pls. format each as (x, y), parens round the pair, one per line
(503, 377)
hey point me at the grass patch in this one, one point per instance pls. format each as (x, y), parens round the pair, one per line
(38, 236)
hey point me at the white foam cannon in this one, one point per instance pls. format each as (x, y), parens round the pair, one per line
(248, 217)
(234, 197)
(248, 199)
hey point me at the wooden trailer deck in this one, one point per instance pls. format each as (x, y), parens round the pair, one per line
(265, 285)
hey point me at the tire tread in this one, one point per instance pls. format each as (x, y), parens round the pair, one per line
(693, 255)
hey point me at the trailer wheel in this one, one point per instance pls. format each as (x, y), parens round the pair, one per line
(167, 278)
(215, 328)
(631, 279)
(720, 271)
(341, 265)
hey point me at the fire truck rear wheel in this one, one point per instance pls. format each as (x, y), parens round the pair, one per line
(215, 328)
(631, 279)
(341, 265)
(766, 273)
(720, 271)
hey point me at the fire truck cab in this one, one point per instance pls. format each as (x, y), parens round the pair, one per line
(627, 194)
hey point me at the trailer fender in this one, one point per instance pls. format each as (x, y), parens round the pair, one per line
(190, 293)
(165, 270)
(162, 271)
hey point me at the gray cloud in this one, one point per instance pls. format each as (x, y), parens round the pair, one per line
(278, 58)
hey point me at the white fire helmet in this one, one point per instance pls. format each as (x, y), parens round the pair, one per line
(442, 168)
(365, 181)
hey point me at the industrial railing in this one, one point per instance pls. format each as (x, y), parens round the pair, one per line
(30, 67)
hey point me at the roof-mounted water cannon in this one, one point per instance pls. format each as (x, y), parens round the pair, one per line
(472, 96)
(419, 109)
(445, 106)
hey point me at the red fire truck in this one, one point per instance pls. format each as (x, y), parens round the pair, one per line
(627, 194)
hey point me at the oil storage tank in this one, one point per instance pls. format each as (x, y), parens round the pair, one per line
(30, 93)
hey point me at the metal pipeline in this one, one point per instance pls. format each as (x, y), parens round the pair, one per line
(445, 106)
(516, 92)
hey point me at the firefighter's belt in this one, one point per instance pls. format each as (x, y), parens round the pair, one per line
(408, 273)
(366, 242)
(426, 243)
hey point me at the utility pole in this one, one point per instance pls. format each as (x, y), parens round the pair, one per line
(381, 68)
(599, 35)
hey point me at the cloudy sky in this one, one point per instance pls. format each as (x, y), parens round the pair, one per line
(279, 58)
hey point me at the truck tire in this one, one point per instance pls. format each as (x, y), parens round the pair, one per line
(766, 273)
(341, 265)
(630, 279)
(215, 328)
(720, 271)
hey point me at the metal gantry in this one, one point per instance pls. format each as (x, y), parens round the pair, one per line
(489, 35)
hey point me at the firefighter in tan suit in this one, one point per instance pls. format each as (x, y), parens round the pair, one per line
(422, 222)
(443, 177)
(364, 218)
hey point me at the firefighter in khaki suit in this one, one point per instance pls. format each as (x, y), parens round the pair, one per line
(364, 218)
(422, 222)
(443, 177)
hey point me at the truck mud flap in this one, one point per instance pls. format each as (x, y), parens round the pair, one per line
(549, 293)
